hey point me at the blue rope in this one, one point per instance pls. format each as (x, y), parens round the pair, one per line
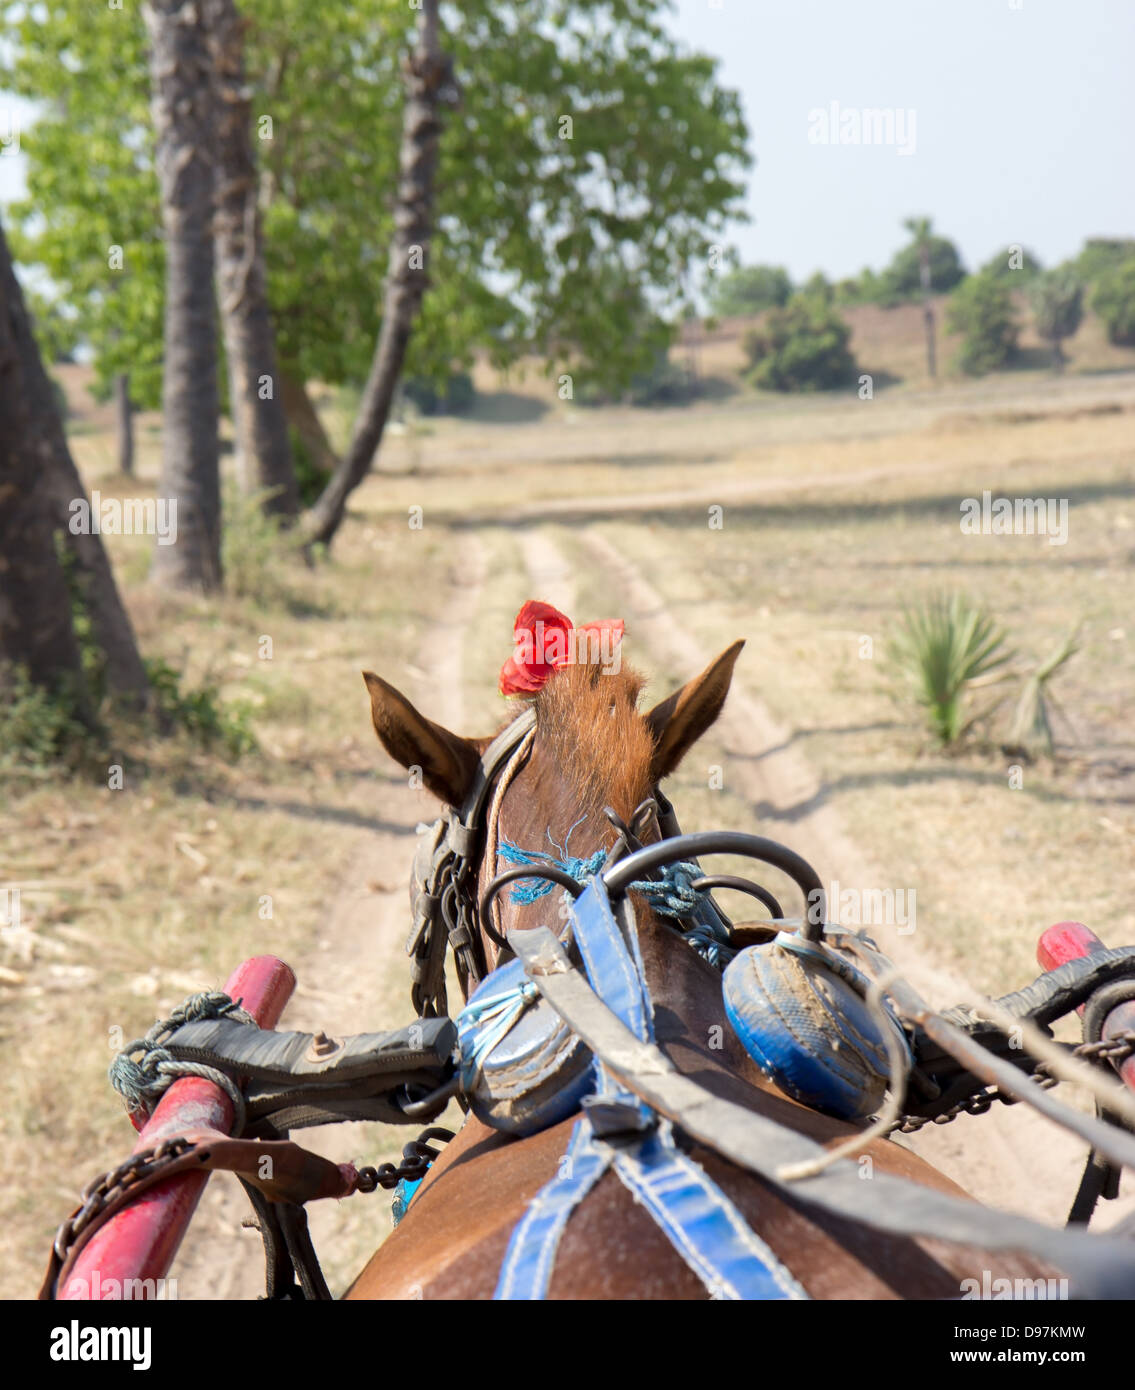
(672, 895)
(499, 1012)
(528, 890)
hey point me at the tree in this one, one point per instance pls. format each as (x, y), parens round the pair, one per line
(802, 347)
(749, 290)
(183, 120)
(904, 280)
(591, 147)
(256, 397)
(38, 484)
(1058, 307)
(1114, 301)
(1102, 255)
(430, 86)
(981, 309)
(920, 229)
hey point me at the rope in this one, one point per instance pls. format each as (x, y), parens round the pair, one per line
(671, 895)
(528, 891)
(143, 1083)
(500, 1011)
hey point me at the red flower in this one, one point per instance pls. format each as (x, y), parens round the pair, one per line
(545, 640)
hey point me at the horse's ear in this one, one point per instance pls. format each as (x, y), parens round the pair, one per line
(681, 719)
(448, 761)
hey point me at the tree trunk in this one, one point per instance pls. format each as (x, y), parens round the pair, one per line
(183, 121)
(927, 311)
(430, 84)
(305, 421)
(38, 485)
(259, 423)
(124, 423)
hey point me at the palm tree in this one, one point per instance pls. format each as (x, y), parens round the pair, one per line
(259, 423)
(1058, 307)
(183, 109)
(921, 229)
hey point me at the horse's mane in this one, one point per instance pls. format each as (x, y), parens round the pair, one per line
(589, 725)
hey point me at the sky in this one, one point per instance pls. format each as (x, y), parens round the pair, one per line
(1017, 118)
(1023, 123)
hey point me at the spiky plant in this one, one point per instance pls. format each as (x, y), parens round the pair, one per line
(947, 648)
(1030, 732)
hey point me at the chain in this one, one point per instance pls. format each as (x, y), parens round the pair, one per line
(416, 1159)
(106, 1189)
(1115, 1050)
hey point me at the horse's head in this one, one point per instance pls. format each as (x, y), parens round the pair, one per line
(592, 752)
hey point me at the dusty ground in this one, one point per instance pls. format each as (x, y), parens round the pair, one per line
(835, 512)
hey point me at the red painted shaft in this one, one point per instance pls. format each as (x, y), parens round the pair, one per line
(1070, 941)
(140, 1241)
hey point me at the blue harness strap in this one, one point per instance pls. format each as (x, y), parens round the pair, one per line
(702, 1223)
(698, 1218)
(527, 1268)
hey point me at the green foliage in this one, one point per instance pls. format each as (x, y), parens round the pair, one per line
(982, 310)
(1057, 299)
(1101, 256)
(750, 290)
(802, 347)
(1114, 301)
(944, 650)
(902, 279)
(1016, 264)
(534, 229)
(311, 479)
(199, 713)
(39, 728)
(57, 334)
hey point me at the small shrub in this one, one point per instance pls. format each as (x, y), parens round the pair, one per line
(1114, 301)
(802, 347)
(38, 728)
(944, 651)
(982, 310)
(200, 713)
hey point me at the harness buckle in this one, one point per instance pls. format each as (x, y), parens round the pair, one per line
(613, 1118)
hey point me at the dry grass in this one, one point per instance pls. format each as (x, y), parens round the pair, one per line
(136, 897)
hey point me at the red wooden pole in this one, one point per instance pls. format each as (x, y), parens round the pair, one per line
(139, 1242)
(1070, 941)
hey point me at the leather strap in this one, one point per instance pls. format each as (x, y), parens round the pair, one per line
(618, 1129)
(1102, 1267)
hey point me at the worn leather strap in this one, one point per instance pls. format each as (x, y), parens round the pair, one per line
(279, 1169)
(1102, 1267)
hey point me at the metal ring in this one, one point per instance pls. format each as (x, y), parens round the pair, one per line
(619, 878)
(740, 885)
(565, 880)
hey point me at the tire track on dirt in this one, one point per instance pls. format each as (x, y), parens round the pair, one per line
(354, 979)
(1010, 1157)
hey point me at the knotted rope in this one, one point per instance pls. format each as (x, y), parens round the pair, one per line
(143, 1083)
(670, 895)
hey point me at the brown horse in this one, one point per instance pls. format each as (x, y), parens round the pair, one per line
(593, 748)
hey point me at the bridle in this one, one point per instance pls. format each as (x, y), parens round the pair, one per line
(445, 905)
(444, 882)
